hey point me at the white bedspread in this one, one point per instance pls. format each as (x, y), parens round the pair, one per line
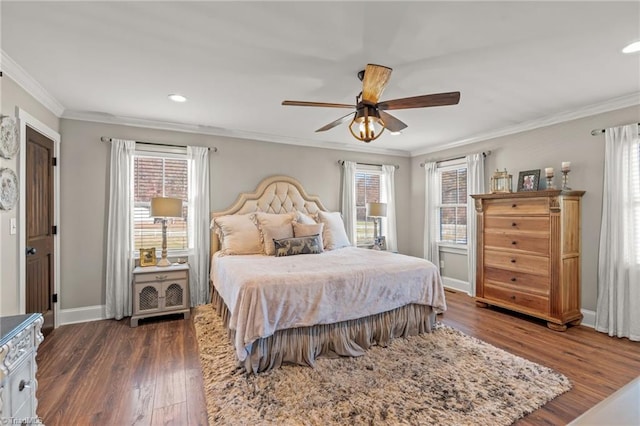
(266, 293)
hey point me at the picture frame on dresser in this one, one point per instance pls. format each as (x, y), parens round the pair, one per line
(148, 257)
(529, 180)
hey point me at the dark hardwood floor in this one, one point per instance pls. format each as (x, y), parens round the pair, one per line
(106, 373)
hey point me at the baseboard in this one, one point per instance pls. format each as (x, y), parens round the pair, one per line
(457, 285)
(589, 319)
(84, 314)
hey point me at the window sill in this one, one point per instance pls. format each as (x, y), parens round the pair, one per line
(170, 255)
(453, 248)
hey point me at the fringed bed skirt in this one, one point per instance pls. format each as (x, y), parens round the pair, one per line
(348, 338)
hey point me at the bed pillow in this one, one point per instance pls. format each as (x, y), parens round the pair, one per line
(304, 218)
(263, 220)
(304, 230)
(239, 234)
(334, 235)
(271, 233)
(301, 245)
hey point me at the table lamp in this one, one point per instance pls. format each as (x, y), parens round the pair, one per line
(164, 207)
(376, 211)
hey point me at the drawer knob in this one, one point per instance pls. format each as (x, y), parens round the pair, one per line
(513, 261)
(514, 224)
(513, 279)
(161, 277)
(514, 205)
(514, 242)
(22, 385)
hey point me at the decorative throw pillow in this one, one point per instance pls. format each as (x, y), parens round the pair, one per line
(262, 220)
(334, 235)
(304, 218)
(272, 233)
(303, 230)
(239, 234)
(301, 245)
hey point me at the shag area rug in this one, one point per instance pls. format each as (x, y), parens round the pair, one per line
(443, 377)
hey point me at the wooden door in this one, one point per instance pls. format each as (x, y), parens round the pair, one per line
(39, 227)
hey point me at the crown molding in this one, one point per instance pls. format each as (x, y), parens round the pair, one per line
(29, 84)
(219, 131)
(625, 101)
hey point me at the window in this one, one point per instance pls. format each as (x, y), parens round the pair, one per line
(368, 190)
(452, 207)
(159, 175)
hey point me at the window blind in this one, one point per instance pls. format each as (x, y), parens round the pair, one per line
(453, 204)
(367, 191)
(159, 176)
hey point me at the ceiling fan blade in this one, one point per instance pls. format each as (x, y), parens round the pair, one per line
(336, 123)
(391, 123)
(316, 104)
(375, 80)
(436, 99)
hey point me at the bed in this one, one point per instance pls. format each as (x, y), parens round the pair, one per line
(327, 299)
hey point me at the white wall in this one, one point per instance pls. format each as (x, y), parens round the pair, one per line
(537, 149)
(12, 96)
(238, 166)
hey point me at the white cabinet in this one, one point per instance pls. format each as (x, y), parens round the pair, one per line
(160, 291)
(20, 337)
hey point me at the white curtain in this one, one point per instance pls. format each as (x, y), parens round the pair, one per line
(388, 183)
(475, 185)
(119, 254)
(431, 251)
(618, 304)
(349, 199)
(198, 224)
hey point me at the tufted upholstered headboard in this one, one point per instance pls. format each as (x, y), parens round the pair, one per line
(275, 194)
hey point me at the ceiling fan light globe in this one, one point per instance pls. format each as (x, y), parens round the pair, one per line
(366, 127)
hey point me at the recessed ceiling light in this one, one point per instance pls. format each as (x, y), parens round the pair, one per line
(395, 133)
(632, 48)
(177, 98)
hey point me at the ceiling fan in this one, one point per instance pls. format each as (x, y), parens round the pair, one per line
(369, 119)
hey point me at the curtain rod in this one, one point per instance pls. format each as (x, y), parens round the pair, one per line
(341, 162)
(597, 132)
(106, 139)
(484, 154)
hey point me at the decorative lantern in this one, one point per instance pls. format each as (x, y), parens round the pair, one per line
(500, 181)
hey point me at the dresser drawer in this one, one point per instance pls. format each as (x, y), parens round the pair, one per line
(527, 300)
(531, 242)
(525, 223)
(20, 385)
(517, 206)
(160, 276)
(518, 280)
(513, 261)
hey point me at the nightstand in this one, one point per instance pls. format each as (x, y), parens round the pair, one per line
(160, 291)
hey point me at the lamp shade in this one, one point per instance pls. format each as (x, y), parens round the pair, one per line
(166, 207)
(377, 209)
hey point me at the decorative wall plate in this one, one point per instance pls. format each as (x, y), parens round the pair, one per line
(8, 189)
(9, 142)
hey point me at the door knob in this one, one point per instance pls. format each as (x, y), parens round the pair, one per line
(31, 251)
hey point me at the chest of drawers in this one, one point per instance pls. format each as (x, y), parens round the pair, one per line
(529, 254)
(20, 337)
